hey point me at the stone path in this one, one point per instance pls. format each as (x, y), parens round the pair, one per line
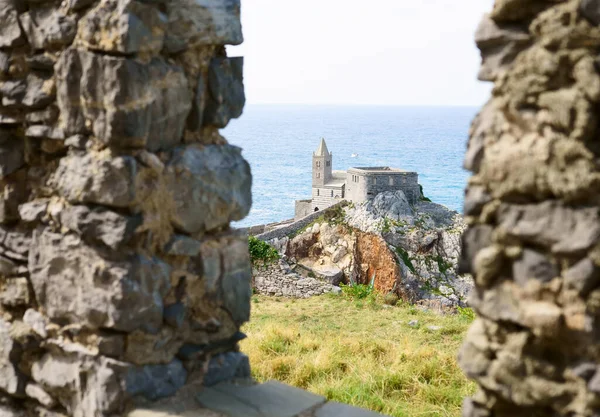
(246, 399)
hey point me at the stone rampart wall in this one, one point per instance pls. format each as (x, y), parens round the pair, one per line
(119, 275)
(297, 225)
(533, 241)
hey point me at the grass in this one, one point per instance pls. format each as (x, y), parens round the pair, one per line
(360, 353)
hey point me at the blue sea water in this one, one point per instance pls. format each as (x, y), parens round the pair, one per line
(278, 141)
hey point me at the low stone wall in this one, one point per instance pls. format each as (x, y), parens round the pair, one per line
(298, 225)
(279, 280)
(264, 228)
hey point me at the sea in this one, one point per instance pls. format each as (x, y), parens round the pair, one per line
(278, 142)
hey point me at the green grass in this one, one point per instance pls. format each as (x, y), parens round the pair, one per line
(360, 353)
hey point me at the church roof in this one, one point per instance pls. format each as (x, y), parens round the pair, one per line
(322, 149)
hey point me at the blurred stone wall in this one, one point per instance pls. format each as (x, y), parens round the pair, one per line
(532, 206)
(119, 275)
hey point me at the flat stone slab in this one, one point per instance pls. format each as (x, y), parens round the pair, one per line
(247, 399)
(343, 410)
(271, 399)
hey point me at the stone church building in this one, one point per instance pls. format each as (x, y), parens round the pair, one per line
(357, 184)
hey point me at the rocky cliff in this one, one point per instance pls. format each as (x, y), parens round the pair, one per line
(409, 249)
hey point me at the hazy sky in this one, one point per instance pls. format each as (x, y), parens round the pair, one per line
(391, 52)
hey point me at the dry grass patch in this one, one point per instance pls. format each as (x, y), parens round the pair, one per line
(360, 353)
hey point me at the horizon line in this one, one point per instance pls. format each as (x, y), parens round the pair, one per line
(363, 104)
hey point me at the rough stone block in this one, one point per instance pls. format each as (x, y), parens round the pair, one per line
(15, 292)
(181, 245)
(123, 26)
(156, 381)
(226, 96)
(148, 349)
(226, 367)
(10, 30)
(475, 199)
(553, 225)
(226, 275)
(87, 387)
(37, 393)
(174, 315)
(499, 46)
(47, 116)
(12, 92)
(11, 379)
(193, 23)
(127, 103)
(210, 187)
(12, 155)
(100, 225)
(590, 9)
(97, 178)
(48, 27)
(474, 239)
(533, 265)
(44, 132)
(41, 62)
(36, 321)
(74, 282)
(33, 211)
(584, 277)
(14, 191)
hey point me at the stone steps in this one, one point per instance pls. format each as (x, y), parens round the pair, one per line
(247, 399)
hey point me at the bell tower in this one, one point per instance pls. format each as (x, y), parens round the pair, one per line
(321, 165)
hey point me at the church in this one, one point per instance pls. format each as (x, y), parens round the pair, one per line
(357, 184)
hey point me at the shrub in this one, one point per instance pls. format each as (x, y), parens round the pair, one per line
(357, 291)
(391, 299)
(423, 198)
(406, 259)
(466, 313)
(261, 252)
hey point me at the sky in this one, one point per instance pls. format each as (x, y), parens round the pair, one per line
(362, 52)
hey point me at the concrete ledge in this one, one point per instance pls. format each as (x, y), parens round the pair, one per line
(244, 398)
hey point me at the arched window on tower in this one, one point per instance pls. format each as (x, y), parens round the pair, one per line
(332, 193)
(318, 192)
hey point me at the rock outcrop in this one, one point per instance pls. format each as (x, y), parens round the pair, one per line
(532, 208)
(408, 249)
(120, 278)
(424, 240)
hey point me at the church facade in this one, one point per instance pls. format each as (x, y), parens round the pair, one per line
(357, 184)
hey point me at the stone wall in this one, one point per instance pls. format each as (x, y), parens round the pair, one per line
(281, 280)
(369, 184)
(119, 275)
(533, 241)
(297, 225)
